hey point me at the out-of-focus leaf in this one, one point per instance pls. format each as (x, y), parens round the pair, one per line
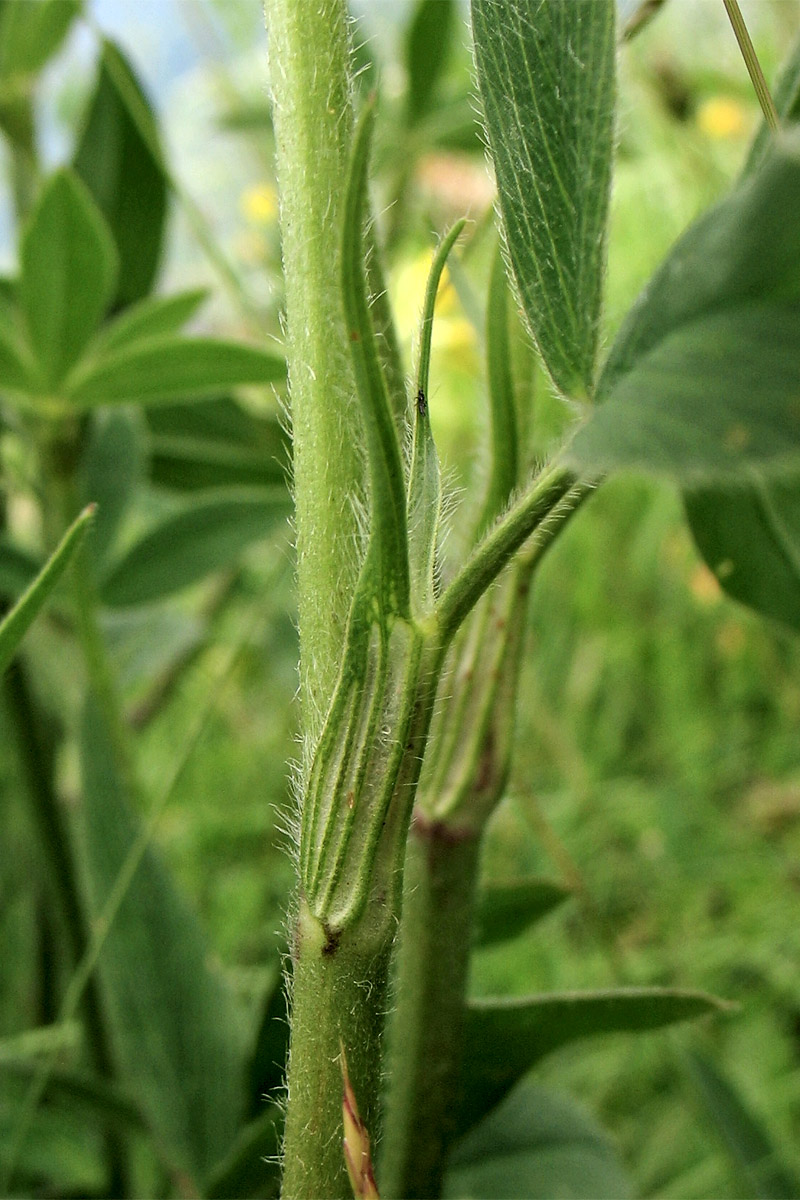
(16, 623)
(755, 1163)
(112, 466)
(177, 1033)
(62, 1153)
(17, 370)
(505, 1038)
(750, 534)
(208, 535)
(704, 379)
(546, 76)
(252, 1168)
(151, 317)
(68, 273)
(430, 32)
(216, 443)
(100, 1100)
(750, 538)
(536, 1146)
(505, 910)
(31, 33)
(170, 368)
(119, 159)
(268, 1060)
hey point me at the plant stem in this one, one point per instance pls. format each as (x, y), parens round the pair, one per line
(312, 116)
(432, 969)
(338, 998)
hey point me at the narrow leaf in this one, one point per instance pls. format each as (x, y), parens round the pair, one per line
(388, 550)
(188, 545)
(424, 485)
(170, 368)
(505, 910)
(150, 318)
(755, 1162)
(177, 1033)
(68, 271)
(119, 159)
(546, 76)
(505, 1038)
(704, 379)
(16, 623)
(252, 1167)
(503, 475)
(537, 1145)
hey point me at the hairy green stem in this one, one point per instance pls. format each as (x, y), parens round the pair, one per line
(338, 1000)
(312, 116)
(431, 973)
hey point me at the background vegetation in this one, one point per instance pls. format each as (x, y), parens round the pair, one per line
(657, 765)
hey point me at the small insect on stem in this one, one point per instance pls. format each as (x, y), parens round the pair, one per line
(422, 403)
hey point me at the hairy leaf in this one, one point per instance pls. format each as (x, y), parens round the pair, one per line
(546, 75)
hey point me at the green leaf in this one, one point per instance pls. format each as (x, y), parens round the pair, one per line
(177, 1034)
(268, 1060)
(505, 910)
(119, 159)
(424, 484)
(536, 1146)
(546, 76)
(505, 1038)
(170, 368)
(150, 318)
(252, 1168)
(188, 545)
(16, 623)
(387, 558)
(31, 33)
(749, 534)
(750, 538)
(110, 471)
(17, 369)
(62, 1153)
(704, 379)
(216, 443)
(68, 273)
(755, 1162)
(430, 32)
(504, 472)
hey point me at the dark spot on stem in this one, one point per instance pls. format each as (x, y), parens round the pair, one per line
(422, 403)
(332, 939)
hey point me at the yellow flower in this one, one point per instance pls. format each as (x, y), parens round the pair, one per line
(722, 117)
(260, 203)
